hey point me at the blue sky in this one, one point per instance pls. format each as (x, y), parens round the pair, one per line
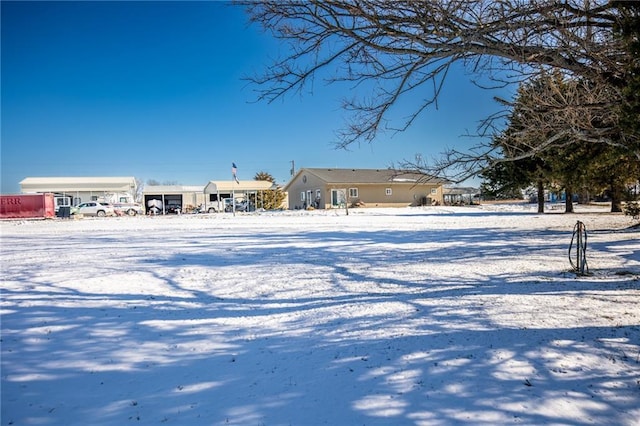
(155, 90)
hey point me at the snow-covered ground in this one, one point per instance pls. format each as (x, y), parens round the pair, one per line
(415, 316)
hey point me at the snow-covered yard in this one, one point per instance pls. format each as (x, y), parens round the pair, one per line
(434, 316)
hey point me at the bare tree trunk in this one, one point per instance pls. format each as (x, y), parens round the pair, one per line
(616, 197)
(568, 201)
(540, 196)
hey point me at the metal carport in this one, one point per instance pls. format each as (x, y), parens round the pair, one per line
(216, 191)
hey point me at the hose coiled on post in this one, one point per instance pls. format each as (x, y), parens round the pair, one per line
(580, 238)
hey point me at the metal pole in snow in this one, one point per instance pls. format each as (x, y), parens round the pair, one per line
(579, 248)
(234, 177)
(582, 246)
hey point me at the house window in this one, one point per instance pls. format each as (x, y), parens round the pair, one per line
(353, 192)
(302, 196)
(434, 190)
(337, 197)
(388, 191)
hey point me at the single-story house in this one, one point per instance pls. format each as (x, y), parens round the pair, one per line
(82, 189)
(331, 188)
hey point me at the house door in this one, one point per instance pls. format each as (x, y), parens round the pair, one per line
(337, 197)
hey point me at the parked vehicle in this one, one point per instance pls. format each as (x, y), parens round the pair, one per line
(154, 207)
(241, 206)
(201, 209)
(130, 209)
(94, 208)
(173, 208)
(244, 206)
(123, 203)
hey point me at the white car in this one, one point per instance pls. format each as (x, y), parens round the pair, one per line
(94, 208)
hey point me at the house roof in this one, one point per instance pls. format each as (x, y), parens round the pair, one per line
(369, 176)
(45, 184)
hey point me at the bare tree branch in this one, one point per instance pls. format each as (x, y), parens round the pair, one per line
(406, 47)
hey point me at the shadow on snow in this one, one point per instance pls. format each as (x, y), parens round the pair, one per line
(251, 342)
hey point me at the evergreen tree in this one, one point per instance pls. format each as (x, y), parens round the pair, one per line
(610, 173)
(521, 169)
(629, 33)
(270, 199)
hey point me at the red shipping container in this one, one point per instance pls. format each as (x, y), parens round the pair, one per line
(27, 206)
